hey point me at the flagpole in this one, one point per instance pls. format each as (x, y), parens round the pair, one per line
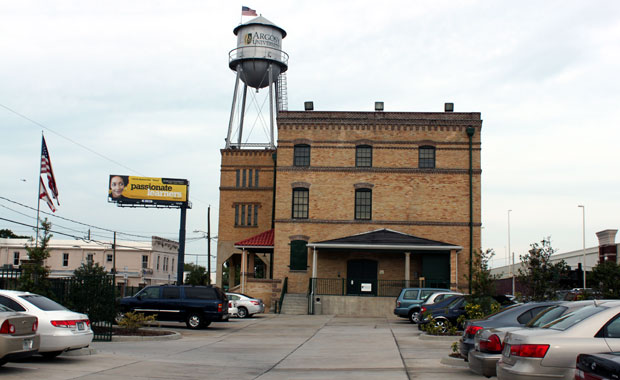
(36, 244)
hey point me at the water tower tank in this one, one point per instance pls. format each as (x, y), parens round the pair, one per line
(259, 44)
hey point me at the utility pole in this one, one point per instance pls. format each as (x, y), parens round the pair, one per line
(209, 245)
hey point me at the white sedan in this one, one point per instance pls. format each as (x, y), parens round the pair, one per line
(60, 328)
(246, 305)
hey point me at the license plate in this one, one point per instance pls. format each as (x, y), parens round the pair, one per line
(27, 344)
(506, 350)
(81, 326)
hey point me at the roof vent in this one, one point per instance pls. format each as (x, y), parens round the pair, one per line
(378, 106)
(448, 107)
(309, 106)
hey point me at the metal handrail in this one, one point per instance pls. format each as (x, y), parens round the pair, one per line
(284, 289)
(249, 52)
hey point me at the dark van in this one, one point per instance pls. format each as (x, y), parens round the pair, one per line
(197, 306)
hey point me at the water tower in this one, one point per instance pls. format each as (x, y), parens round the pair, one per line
(259, 62)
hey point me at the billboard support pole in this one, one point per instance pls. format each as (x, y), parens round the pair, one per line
(181, 260)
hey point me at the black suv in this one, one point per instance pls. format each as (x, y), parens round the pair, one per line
(197, 306)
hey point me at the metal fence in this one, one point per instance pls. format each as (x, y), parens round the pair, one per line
(368, 287)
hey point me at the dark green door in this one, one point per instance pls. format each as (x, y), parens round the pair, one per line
(436, 270)
(362, 277)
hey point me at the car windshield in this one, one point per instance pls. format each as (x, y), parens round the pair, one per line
(546, 316)
(571, 319)
(43, 303)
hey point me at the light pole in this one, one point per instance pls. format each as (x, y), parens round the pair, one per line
(512, 268)
(583, 208)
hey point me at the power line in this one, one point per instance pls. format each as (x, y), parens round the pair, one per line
(67, 138)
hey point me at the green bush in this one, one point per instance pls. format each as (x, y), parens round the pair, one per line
(133, 321)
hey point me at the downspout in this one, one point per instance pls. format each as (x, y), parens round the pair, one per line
(470, 133)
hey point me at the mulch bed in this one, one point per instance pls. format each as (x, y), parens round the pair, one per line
(119, 331)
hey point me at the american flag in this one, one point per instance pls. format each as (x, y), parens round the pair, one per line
(43, 195)
(247, 11)
(46, 168)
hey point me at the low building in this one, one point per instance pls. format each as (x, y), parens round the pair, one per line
(137, 263)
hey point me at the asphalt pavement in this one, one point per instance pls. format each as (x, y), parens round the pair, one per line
(265, 347)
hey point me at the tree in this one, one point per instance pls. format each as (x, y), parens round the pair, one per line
(541, 276)
(482, 281)
(34, 277)
(5, 233)
(605, 278)
(89, 290)
(197, 274)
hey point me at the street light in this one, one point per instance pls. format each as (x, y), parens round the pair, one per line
(512, 268)
(583, 208)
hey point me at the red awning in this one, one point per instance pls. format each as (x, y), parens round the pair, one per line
(262, 240)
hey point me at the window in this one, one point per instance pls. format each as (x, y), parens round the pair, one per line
(170, 292)
(300, 203)
(200, 293)
(238, 176)
(236, 215)
(166, 262)
(363, 156)
(145, 261)
(426, 158)
(151, 292)
(15, 258)
(109, 258)
(299, 255)
(90, 258)
(242, 215)
(11, 304)
(256, 178)
(301, 155)
(249, 215)
(243, 178)
(158, 262)
(173, 263)
(255, 215)
(363, 204)
(411, 294)
(250, 177)
(65, 259)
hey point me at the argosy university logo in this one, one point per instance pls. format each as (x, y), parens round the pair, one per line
(248, 38)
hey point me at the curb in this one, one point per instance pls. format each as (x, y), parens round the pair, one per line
(172, 335)
(454, 362)
(440, 338)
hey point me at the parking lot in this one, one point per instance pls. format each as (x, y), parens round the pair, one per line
(264, 347)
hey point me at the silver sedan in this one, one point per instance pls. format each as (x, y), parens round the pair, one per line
(550, 352)
(246, 305)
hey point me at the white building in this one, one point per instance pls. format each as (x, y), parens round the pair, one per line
(137, 263)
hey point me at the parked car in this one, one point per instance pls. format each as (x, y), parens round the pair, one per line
(516, 315)
(60, 329)
(488, 341)
(598, 366)
(551, 351)
(409, 302)
(444, 313)
(18, 335)
(197, 306)
(232, 308)
(246, 305)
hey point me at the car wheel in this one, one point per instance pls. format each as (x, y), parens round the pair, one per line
(442, 325)
(194, 321)
(242, 312)
(51, 354)
(414, 316)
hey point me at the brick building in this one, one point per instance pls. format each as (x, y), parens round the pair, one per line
(365, 202)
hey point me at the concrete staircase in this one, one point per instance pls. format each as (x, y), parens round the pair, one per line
(296, 304)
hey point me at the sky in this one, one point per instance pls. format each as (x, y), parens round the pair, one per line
(143, 88)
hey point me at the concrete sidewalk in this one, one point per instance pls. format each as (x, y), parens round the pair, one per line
(267, 347)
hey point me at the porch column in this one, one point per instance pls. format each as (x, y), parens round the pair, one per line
(454, 270)
(243, 269)
(407, 268)
(314, 269)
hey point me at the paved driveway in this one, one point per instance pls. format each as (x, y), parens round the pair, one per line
(267, 347)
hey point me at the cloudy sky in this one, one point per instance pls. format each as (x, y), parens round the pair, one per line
(143, 87)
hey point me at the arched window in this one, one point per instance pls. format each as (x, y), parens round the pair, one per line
(426, 158)
(301, 155)
(300, 203)
(363, 204)
(363, 156)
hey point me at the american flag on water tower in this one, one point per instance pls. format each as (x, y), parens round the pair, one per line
(247, 11)
(46, 168)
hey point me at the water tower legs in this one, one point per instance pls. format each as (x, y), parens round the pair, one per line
(232, 110)
(245, 94)
(271, 143)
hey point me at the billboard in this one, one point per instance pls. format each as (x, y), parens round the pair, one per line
(133, 190)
